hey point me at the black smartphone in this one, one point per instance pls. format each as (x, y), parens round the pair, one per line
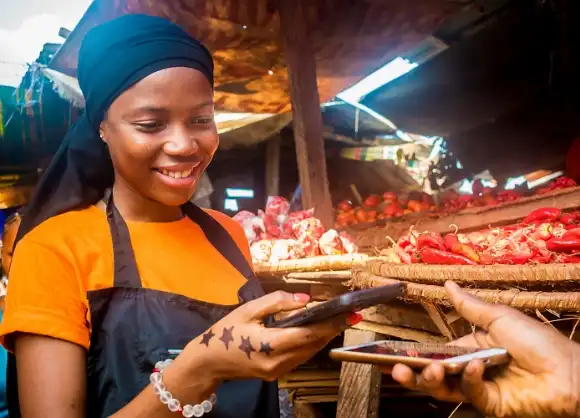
(343, 304)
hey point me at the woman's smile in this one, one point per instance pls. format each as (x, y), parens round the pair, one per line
(179, 176)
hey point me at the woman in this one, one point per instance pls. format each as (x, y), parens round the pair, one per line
(114, 271)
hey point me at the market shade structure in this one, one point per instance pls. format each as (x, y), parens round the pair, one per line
(350, 40)
(504, 98)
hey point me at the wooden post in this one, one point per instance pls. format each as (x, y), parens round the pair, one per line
(305, 109)
(360, 384)
(273, 166)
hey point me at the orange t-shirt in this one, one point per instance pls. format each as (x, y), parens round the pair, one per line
(64, 257)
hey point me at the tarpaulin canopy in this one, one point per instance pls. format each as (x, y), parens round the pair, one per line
(351, 39)
(505, 98)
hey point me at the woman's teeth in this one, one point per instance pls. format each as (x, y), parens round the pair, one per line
(176, 174)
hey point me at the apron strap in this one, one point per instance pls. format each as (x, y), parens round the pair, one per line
(219, 238)
(126, 273)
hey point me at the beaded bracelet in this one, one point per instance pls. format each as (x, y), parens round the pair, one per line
(173, 404)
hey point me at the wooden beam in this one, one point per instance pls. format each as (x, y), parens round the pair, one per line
(306, 109)
(440, 320)
(273, 166)
(360, 384)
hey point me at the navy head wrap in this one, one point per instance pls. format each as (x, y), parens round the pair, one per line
(113, 57)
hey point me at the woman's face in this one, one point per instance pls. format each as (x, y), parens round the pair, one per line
(161, 135)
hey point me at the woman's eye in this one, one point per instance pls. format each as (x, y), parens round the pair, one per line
(206, 120)
(150, 126)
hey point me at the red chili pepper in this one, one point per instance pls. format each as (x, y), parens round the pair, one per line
(543, 214)
(415, 259)
(570, 259)
(430, 240)
(572, 234)
(450, 241)
(516, 258)
(433, 256)
(562, 245)
(542, 259)
(404, 242)
(567, 218)
(487, 259)
(452, 244)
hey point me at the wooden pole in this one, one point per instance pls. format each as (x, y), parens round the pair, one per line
(360, 384)
(307, 117)
(273, 166)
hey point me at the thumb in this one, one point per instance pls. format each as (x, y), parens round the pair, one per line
(274, 303)
(476, 311)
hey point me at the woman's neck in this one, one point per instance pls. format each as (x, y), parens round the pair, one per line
(134, 207)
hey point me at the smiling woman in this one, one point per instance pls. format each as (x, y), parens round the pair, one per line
(125, 299)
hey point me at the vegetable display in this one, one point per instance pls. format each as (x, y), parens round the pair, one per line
(546, 235)
(277, 234)
(390, 205)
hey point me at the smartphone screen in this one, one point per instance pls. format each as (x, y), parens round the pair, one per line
(402, 352)
(419, 355)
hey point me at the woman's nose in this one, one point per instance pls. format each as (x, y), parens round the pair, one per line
(183, 144)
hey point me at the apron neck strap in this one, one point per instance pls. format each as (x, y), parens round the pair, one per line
(126, 273)
(219, 238)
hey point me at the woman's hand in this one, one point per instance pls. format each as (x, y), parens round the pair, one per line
(239, 346)
(541, 380)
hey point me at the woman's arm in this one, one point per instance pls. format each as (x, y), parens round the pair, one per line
(52, 381)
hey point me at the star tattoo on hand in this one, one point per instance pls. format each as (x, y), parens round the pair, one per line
(206, 337)
(246, 347)
(265, 348)
(227, 337)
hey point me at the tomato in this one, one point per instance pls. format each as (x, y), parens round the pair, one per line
(372, 201)
(361, 215)
(391, 209)
(415, 206)
(344, 206)
(372, 215)
(389, 197)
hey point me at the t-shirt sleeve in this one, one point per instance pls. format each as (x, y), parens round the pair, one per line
(235, 230)
(44, 297)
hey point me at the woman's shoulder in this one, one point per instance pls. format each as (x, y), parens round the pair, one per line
(226, 221)
(233, 228)
(64, 228)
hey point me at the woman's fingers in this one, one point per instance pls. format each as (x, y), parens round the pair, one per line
(290, 339)
(272, 304)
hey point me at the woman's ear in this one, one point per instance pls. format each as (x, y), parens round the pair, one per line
(102, 132)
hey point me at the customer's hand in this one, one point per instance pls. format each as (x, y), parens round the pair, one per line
(239, 346)
(542, 379)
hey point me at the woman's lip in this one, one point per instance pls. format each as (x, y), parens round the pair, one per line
(181, 183)
(179, 167)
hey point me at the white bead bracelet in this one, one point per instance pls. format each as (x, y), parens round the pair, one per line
(173, 404)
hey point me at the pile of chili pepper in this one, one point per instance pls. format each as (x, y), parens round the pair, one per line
(546, 235)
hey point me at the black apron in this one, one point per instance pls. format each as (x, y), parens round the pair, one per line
(132, 328)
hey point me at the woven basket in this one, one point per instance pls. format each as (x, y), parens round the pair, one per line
(561, 275)
(312, 264)
(557, 301)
